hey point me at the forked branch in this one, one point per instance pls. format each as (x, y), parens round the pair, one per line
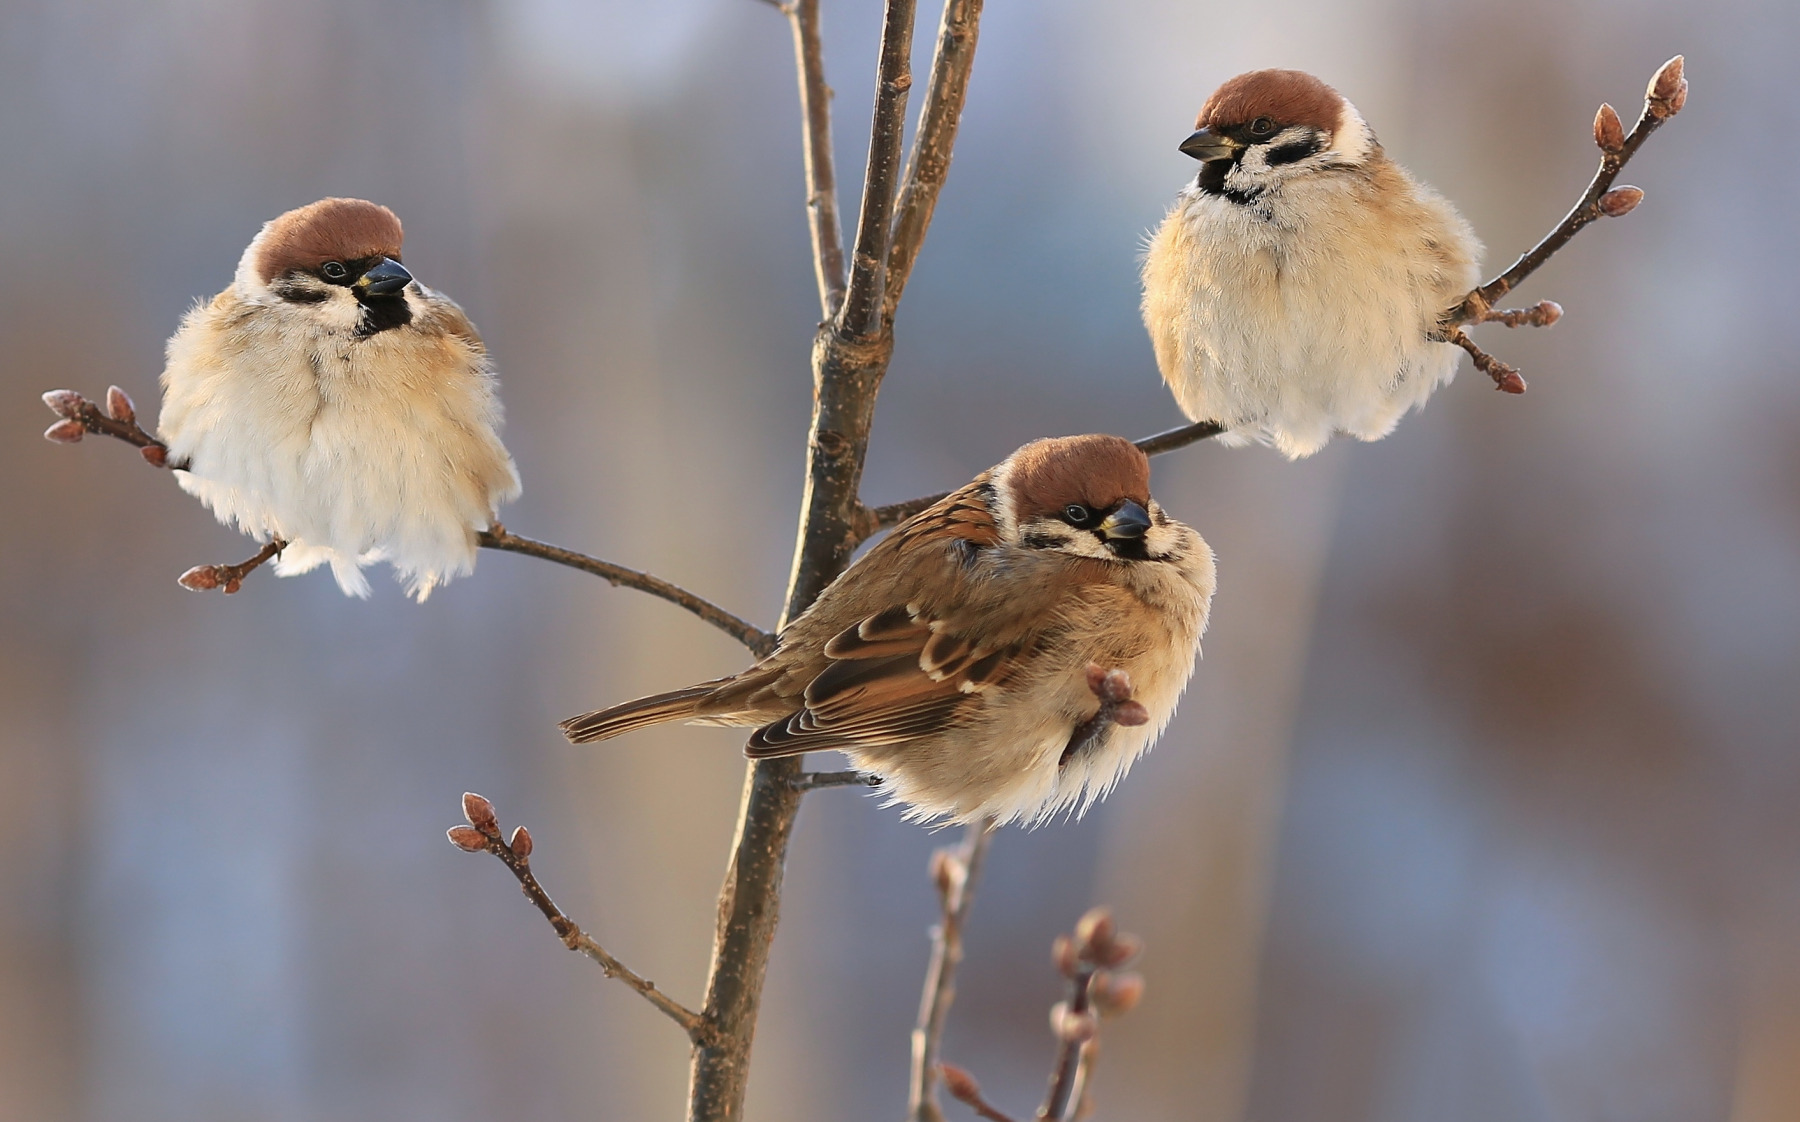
(482, 835)
(928, 165)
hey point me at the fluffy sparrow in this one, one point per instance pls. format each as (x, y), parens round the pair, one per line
(330, 401)
(951, 660)
(1296, 287)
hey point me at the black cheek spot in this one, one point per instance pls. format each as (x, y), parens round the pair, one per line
(1291, 153)
(293, 292)
(1040, 540)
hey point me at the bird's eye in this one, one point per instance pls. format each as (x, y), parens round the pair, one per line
(333, 271)
(1076, 514)
(1262, 126)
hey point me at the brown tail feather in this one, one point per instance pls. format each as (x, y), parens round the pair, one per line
(603, 724)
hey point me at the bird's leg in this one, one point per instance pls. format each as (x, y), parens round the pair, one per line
(1506, 378)
(204, 578)
(1113, 688)
(817, 780)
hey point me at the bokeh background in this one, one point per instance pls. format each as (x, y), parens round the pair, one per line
(1484, 803)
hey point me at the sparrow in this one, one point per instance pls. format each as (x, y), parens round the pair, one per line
(329, 401)
(1297, 286)
(953, 659)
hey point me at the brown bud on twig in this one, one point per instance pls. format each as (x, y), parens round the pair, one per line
(959, 1083)
(480, 814)
(118, 405)
(1122, 948)
(65, 432)
(155, 454)
(1063, 955)
(200, 578)
(1667, 92)
(1116, 994)
(467, 838)
(1620, 201)
(521, 843)
(65, 403)
(1070, 1027)
(1130, 713)
(1108, 685)
(1094, 931)
(948, 873)
(1609, 131)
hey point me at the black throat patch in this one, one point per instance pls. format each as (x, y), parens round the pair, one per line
(382, 313)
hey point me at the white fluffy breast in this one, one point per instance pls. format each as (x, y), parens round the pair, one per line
(353, 450)
(1309, 311)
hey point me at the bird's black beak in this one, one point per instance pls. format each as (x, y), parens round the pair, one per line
(1207, 145)
(1129, 523)
(385, 279)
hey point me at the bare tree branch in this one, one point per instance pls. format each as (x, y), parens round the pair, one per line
(955, 872)
(482, 834)
(759, 641)
(1664, 98)
(861, 314)
(850, 357)
(928, 165)
(821, 169)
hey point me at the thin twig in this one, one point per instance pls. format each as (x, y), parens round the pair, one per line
(928, 164)
(1507, 379)
(955, 873)
(205, 578)
(872, 520)
(118, 420)
(1663, 99)
(821, 171)
(861, 313)
(759, 641)
(482, 834)
(820, 780)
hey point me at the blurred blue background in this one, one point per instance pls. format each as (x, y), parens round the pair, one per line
(1481, 805)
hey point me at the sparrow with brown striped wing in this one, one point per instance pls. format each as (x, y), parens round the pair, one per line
(951, 660)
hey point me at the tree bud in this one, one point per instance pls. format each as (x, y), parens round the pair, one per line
(1072, 1028)
(1095, 931)
(521, 843)
(1667, 92)
(1062, 954)
(1116, 994)
(1620, 201)
(959, 1083)
(1130, 713)
(1609, 131)
(1120, 950)
(467, 838)
(65, 432)
(480, 814)
(65, 403)
(155, 455)
(200, 578)
(118, 405)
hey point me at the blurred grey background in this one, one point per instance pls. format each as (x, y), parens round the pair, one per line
(1482, 804)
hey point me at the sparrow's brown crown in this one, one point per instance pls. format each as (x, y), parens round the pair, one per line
(1287, 97)
(328, 230)
(1097, 471)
